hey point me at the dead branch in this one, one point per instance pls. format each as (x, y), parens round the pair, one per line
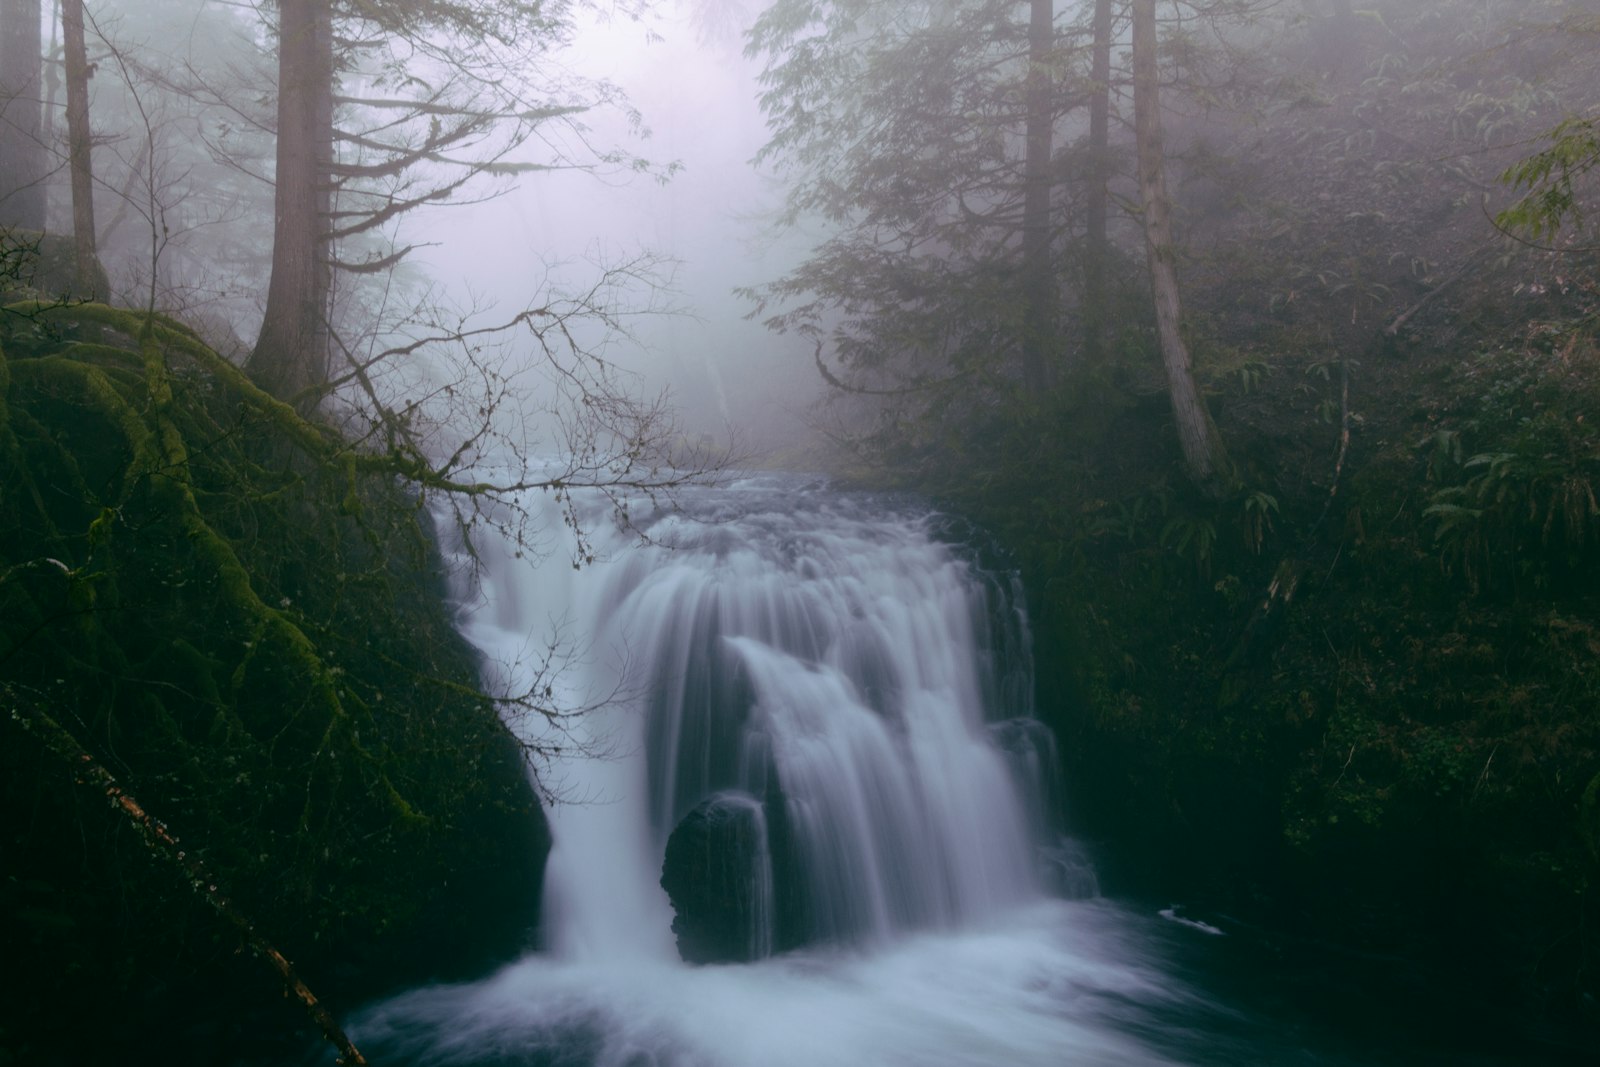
(161, 840)
(1454, 276)
(1344, 446)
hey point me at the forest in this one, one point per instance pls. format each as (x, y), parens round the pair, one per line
(1238, 361)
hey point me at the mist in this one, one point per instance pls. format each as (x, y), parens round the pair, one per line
(710, 215)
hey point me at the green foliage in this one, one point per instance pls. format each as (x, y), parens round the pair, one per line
(1192, 538)
(1252, 373)
(1552, 182)
(1499, 113)
(1523, 502)
(1524, 509)
(1258, 510)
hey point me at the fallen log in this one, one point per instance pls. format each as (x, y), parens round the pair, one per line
(90, 772)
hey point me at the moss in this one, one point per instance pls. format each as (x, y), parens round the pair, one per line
(214, 596)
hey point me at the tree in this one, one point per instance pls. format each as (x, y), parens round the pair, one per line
(1097, 248)
(23, 158)
(1038, 275)
(922, 139)
(387, 108)
(925, 142)
(384, 108)
(183, 160)
(1203, 450)
(79, 147)
(291, 352)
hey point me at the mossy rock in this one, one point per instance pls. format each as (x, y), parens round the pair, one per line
(243, 620)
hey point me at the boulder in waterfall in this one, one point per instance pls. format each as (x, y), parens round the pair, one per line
(718, 876)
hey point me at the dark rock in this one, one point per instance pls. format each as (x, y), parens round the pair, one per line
(718, 875)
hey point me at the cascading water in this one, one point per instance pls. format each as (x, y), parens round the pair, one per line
(820, 722)
(828, 667)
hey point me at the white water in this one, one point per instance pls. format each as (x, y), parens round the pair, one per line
(826, 661)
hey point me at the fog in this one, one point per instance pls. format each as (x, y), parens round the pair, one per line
(710, 217)
(184, 92)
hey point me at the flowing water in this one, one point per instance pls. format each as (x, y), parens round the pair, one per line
(820, 673)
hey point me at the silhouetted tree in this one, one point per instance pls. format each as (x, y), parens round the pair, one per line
(923, 138)
(291, 352)
(1203, 451)
(79, 148)
(1038, 275)
(23, 155)
(449, 90)
(1096, 257)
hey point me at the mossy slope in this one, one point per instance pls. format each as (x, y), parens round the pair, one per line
(243, 619)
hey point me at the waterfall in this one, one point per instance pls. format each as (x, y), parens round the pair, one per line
(823, 658)
(814, 728)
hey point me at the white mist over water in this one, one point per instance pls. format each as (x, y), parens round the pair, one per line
(824, 661)
(1047, 985)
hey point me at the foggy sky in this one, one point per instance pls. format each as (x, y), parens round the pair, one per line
(698, 101)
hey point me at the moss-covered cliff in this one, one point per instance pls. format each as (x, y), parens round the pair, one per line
(243, 620)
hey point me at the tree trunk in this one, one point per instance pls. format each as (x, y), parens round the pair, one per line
(290, 359)
(1095, 257)
(22, 147)
(1203, 451)
(78, 149)
(1039, 288)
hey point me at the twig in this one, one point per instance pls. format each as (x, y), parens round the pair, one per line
(1346, 766)
(1535, 245)
(1484, 774)
(1454, 276)
(1344, 445)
